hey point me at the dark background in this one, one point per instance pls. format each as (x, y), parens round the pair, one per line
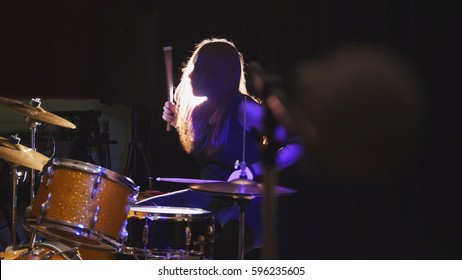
(112, 51)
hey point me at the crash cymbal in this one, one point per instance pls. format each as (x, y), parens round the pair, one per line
(240, 188)
(35, 113)
(21, 155)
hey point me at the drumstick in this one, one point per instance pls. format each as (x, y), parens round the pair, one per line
(187, 181)
(169, 75)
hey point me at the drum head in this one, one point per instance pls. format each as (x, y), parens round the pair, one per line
(168, 213)
(168, 210)
(95, 169)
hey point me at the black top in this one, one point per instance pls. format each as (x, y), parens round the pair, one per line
(220, 165)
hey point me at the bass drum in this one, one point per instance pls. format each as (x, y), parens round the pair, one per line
(52, 250)
(46, 250)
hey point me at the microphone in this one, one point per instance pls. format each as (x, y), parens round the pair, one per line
(271, 89)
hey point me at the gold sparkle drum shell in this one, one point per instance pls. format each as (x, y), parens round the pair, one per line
(83, 205)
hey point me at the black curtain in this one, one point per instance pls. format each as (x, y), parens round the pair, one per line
(55, 51)
(410, 215)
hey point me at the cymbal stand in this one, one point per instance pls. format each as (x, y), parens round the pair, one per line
(242, 204)
(14, 202)
(33, 129)
(242, 165)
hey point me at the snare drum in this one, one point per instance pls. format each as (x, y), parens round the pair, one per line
(156, 232)
(83, 205)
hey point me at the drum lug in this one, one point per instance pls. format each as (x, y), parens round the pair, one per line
(44, 207)
(145, 236)
(187, 233)
(212, 233)
(96, 186)
(124, 232)
(50, 171)
(201, 243)
(94, 221)
(133, 198)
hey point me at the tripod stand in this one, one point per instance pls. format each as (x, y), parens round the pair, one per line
(135, 147)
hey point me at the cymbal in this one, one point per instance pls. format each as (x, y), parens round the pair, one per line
(240, 188)
(21, 155)
(37, 114)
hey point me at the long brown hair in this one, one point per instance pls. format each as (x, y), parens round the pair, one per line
(211, 84)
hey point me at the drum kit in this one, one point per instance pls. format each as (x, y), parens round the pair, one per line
(79, 207)
(85, 211)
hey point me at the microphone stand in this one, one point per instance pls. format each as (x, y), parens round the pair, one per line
(270, 179)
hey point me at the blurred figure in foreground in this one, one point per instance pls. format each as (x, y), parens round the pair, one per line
(360, 111)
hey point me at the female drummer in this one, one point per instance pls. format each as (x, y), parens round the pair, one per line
(211, 109)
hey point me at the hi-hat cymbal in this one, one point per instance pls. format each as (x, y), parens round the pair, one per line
(21, 155)
(35, 113)
(240, 188)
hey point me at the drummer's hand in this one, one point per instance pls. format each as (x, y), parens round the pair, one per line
(169, 114)
(237, 174)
